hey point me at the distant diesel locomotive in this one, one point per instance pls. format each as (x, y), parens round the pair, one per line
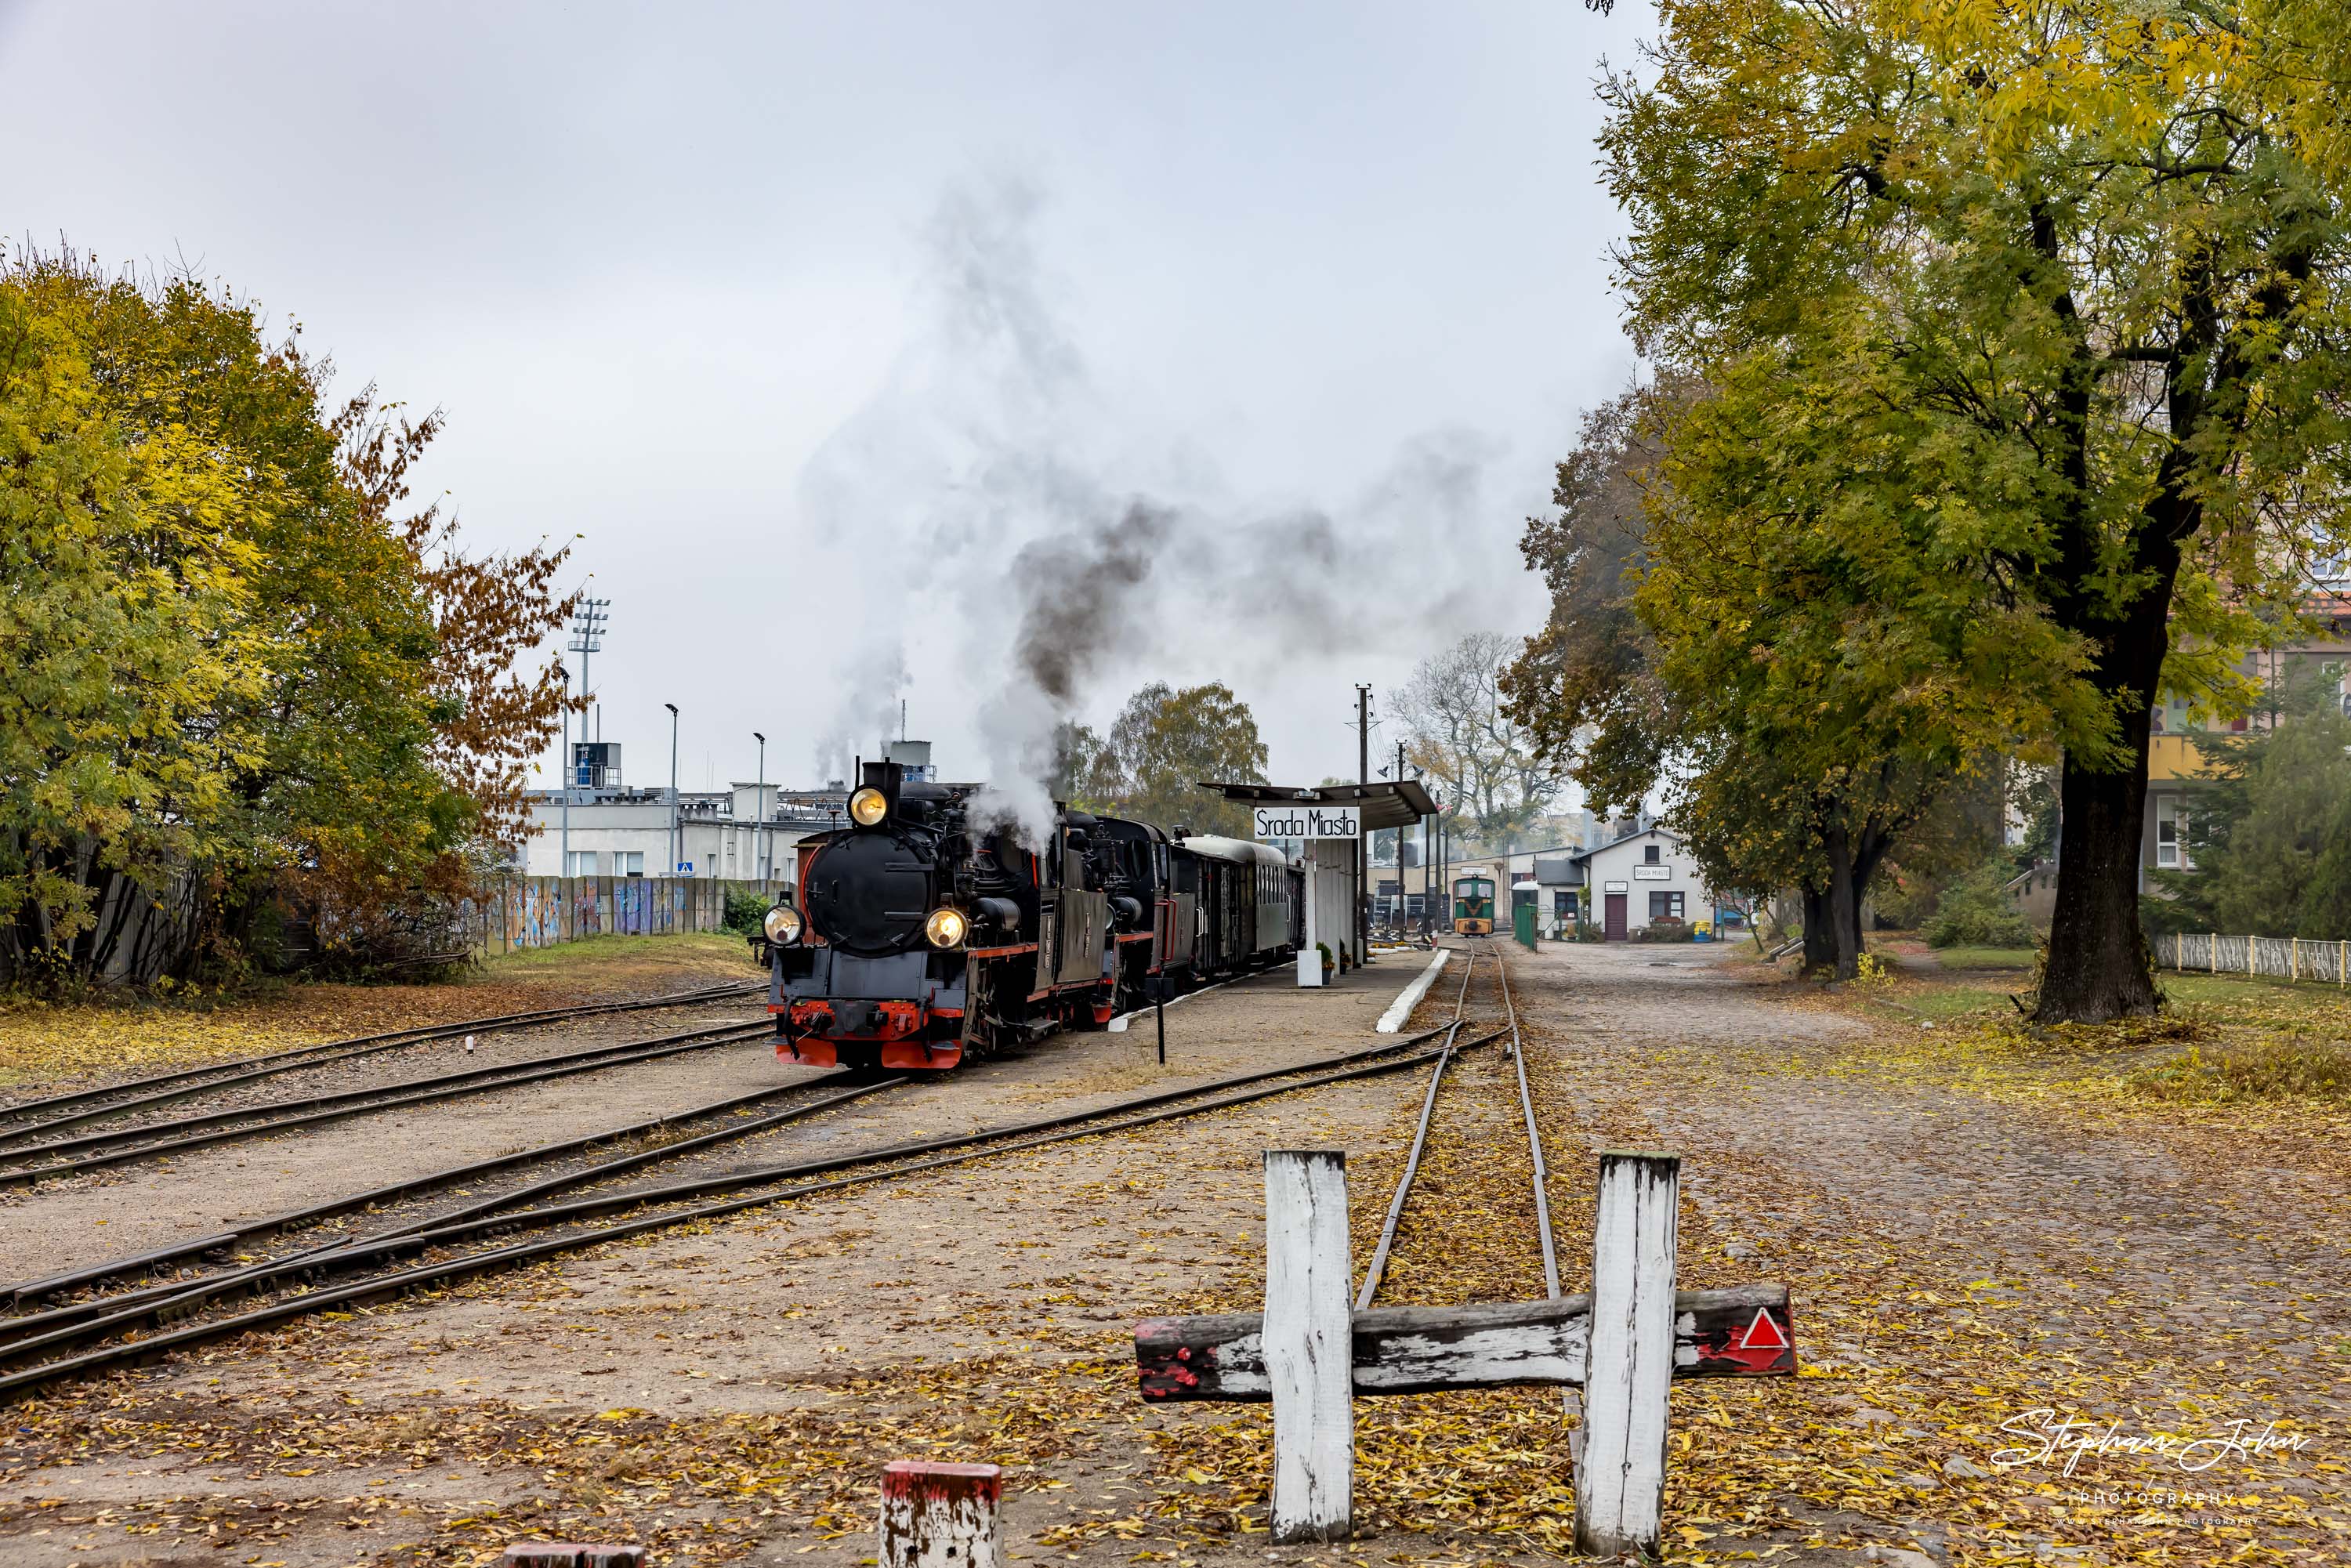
(920, 937)
(1473, 902)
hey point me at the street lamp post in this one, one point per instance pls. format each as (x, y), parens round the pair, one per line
(673, 787)
(565, 869)
(759, 814)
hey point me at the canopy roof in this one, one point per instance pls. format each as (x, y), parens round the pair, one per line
(1384, 805)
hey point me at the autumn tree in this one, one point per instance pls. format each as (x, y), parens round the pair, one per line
(2081, 263)
(1164, 743)
(129, 661)
(349, 718)
(1460, 731)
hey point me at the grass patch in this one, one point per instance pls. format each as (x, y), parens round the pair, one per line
(1939, 1002)
(1984, 957)
(2262, 1067)
(112, 1034)
(719, 954)
(2256, 995)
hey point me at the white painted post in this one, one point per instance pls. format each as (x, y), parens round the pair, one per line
(938, 1515)
(1310, 960)
(1309, 1346)
(1620, 1476)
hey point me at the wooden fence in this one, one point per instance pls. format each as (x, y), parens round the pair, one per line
(542, 911)
(2278, 957)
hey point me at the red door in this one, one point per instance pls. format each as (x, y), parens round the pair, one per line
(1614, 928)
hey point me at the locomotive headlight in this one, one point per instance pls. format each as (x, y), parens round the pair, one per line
(782, 926)
(868, 806)
(945, 928)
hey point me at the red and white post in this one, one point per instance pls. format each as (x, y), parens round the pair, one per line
(940, 1516)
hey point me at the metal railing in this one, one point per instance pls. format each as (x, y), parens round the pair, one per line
(2278, 957)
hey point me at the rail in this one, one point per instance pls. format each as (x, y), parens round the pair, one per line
(593, 1223)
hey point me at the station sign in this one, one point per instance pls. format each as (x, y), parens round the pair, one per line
(1307, 820)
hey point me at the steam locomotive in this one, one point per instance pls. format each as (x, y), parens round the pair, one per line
(921, 935)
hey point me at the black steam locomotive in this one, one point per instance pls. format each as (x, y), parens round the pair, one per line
(919, 937)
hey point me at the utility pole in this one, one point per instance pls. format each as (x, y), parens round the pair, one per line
(673, 787)
(1400, 842)
(759, 814)
(565, 869)
(1427, 902)
(1363, 845)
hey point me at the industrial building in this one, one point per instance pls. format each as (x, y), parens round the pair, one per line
(600, 826)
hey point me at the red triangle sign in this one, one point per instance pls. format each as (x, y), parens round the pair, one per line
(1763, 1334)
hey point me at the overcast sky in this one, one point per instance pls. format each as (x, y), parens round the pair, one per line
(808, 319)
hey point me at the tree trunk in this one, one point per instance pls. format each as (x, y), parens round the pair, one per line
(2097, 969)
(1845, 903)
(1820, 934)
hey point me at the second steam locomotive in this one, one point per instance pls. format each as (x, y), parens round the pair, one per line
(921, 935)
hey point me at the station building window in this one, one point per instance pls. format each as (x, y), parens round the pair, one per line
(2172, 849)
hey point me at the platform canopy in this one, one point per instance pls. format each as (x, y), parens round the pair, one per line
(1382, 805)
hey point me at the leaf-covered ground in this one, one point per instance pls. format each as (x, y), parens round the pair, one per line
(1978, 1225)
(49, 1042)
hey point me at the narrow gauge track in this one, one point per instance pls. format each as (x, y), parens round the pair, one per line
(55, 1113)
(24, 1337)
(1376, 1269)
(121, 1145)
(146, 1265)
(592, 1221)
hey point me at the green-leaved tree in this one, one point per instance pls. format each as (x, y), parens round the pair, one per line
(2074, 274)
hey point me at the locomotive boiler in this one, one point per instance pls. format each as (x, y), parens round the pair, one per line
(918, 936)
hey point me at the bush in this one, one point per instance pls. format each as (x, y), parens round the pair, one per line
(1905, 901)
(1977, 912)
(745, 912)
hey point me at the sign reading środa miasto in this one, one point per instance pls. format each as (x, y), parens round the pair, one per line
(1308, 819)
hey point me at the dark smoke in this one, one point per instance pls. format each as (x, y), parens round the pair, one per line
(1077, 607)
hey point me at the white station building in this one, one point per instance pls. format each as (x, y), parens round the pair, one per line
(1642, 879)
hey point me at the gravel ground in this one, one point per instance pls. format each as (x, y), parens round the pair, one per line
(766, 1314)
(136, 1208)
(1960, 1250)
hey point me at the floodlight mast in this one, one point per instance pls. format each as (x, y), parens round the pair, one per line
(588, 623)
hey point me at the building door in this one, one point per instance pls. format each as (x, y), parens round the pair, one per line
(1615, 930)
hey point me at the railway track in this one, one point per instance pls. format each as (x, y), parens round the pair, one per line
(30, 1120)
(109, 1334)
(1376, 1270)
(27, 1162)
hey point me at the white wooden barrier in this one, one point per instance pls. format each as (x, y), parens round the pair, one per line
(1624, 1345)
(1307, 1360)
(1620, 1476)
